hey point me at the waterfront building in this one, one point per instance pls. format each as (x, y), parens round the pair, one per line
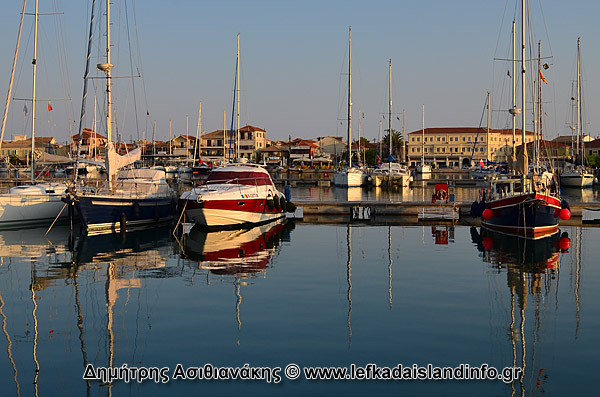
(461, 146)
(183, 145)
(92, 144)
(20, 146)
(216, 145)
(332, 145)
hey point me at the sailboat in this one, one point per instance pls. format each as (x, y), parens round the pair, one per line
(423, 169)
(34, 203)
(528, 204)
(576, 175)
(391, 172)
(132, 197)
(349, 176)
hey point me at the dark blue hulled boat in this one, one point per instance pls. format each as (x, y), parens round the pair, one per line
(132, 197)
(528, 207)
(137, 197)
(527, 203)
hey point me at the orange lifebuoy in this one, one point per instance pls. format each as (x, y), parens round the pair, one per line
(441, 194)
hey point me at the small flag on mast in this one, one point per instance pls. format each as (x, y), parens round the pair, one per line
(25, 110)
(543, 78)
(49, 106)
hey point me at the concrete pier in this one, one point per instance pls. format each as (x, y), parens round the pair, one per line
(393, 211)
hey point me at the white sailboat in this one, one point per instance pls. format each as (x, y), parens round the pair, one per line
(349, 176)
(423, 169)
(35, 203)
(577, 175)
(393, 173)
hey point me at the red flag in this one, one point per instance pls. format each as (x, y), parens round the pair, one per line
(542, 77)
(49, 107)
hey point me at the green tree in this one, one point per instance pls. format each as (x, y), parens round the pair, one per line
(593, 160)
(371, 156)
(396, 144)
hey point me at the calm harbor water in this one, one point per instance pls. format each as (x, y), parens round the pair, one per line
(313, 295)
(469, 193)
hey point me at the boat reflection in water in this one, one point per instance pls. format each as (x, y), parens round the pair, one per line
(238, 252)
(521, 254)
(532, 268)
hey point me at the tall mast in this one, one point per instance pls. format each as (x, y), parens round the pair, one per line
(380, 140)
(579, 134)
(514, 91)
(198, 129)
(35, 40)
(487, 138)
(349, 96)
(106, 67)
(12, 74)
(237, 86)
(390, 113)
(170, 139)
(154, 142)
(403, 156)
(523, 76)
(94, 124)
(423, 140)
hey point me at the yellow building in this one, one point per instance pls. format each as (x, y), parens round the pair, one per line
(459, 146)
(216, 145)
(21, 147)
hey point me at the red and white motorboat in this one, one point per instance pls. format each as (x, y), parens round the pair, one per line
(234, 195)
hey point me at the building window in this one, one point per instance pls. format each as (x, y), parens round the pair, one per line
(463, 138)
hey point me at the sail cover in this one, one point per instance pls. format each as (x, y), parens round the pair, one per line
(115, 161)
(522, 160)
(43, 157)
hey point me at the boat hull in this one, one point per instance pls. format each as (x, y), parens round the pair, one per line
(112, 213)
(349, 179)
(529, 215)
(581, 181)
(17, 211)
(223, 213)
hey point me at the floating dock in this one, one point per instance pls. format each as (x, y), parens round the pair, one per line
(409, 212)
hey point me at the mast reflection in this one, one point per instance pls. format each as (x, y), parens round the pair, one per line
(532, 268)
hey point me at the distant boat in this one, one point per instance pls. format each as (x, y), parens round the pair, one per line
(34, 203)
(423, 169)
(392, 172)
(30, 205)
(349, 176)
(234, 195)
(573, 176)
(133, 197)
(577, 175)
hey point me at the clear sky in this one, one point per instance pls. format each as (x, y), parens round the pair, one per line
(294, 63)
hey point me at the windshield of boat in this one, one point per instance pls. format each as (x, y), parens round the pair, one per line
(239, 177)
